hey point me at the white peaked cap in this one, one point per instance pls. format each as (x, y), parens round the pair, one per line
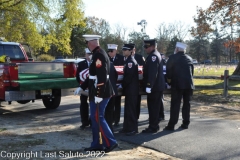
(87, 50)
(112, 46)
(181, 45)
(91, 37)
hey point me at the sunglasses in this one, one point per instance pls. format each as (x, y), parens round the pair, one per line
(86, 42)
(110, 50)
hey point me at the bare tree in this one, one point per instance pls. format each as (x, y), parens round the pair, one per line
(120, 31)
(166, 32)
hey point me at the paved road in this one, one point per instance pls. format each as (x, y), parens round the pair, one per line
(206, 138)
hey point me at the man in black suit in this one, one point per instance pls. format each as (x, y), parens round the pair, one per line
(154, 82)
(141, 61)
(117, 60)
(84, 107)
(180, 75)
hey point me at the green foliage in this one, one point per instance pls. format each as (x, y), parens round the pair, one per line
(77, 41)
(199, 49)
(70, 17)
(42, 24)
(137, 39)
(112, 39)
(172, 45)
(45, 58)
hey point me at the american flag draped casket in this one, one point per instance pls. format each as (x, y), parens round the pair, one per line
(84, 74)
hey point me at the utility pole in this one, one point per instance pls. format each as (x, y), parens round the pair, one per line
(143, 24)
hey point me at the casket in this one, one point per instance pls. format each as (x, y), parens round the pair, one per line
(84, 74)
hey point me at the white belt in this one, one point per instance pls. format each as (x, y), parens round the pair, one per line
(95, 77)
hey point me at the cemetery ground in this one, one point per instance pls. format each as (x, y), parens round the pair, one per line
(32, 132)
(55, 134)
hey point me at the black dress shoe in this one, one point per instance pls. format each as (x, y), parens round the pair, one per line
(169, 128)
(109, 149)
(122, 131)
(83, 126)
(150, 130)
(116, 124)
(161, 119)
(131, 133)
(93, 149)
(184, 126)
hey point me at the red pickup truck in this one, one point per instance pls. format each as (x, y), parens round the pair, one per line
(24, 81)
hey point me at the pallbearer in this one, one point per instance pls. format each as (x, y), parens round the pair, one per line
(130, 86)
(100, 91)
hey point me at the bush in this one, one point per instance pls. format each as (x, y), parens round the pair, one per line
(45, 58)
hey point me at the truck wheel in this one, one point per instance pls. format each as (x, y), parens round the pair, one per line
(52, 103)
(23, 101)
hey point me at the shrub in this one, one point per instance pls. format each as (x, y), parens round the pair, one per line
(45, 58)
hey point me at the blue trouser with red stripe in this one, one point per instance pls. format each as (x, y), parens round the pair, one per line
(107, 135)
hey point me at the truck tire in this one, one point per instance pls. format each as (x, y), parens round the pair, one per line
(23, 101)
(52, 103)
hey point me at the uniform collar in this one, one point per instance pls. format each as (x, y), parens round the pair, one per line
(95, 49)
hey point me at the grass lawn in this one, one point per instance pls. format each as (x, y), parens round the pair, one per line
(213, 70)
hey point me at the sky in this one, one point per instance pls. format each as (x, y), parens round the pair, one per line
(128, 13)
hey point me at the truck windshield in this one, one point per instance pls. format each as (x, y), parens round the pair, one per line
(13, 51)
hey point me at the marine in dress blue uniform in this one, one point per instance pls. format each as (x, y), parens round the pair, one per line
(154, 82)
(100, 91)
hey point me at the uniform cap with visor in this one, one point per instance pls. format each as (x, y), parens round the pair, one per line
(127, 47)
(149, 42)
(91, 37)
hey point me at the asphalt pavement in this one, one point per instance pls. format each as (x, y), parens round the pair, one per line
(206, 138)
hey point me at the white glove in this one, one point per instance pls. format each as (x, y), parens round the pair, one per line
(98, 99)
(168, 86)
(148, 90)
(95, 83)
(78, 91)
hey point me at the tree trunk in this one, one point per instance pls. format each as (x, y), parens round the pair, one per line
(237, 70)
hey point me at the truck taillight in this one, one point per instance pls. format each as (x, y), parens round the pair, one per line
(69, 69)
(13, 70)
(10, 73)
(6, 76)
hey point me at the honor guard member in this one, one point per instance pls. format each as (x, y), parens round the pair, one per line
(130, 85)
(154, 83)
(180, 75)
(100, 91)
(113, 76)
(84, 108)
(141, 61)
(117, 60)
(161, 113)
